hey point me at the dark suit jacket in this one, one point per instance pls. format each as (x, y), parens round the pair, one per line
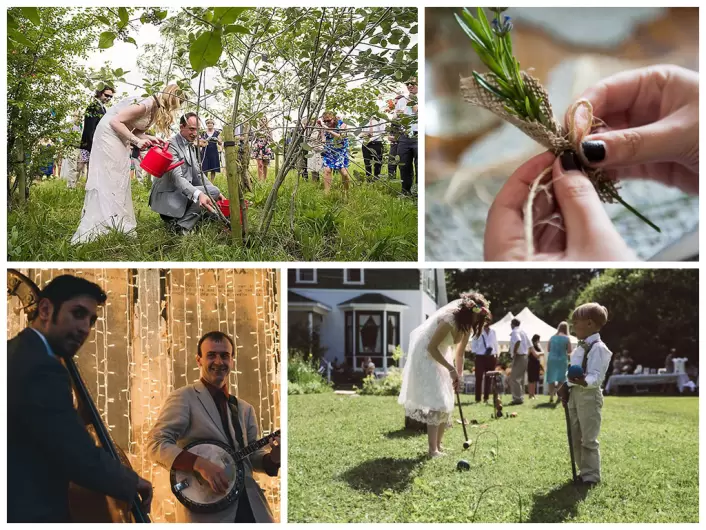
(48, 445)
(93, 115)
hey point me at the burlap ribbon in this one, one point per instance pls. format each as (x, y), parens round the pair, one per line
(557, 140)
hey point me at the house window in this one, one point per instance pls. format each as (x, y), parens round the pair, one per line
(306, 275)
(393, 335)
(353, 277)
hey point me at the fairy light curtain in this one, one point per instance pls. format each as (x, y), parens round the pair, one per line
(144, 343)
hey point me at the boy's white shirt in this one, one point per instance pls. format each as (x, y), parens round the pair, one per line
(598, 361)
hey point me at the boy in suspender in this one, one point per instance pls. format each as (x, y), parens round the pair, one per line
(586, 395)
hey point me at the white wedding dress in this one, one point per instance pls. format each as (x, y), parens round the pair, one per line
(427, 390)
(108, 201)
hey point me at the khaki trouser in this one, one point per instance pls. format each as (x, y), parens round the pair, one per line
(585, 406)
(517, 377)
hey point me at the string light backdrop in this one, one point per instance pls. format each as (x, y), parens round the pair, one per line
(143, 347)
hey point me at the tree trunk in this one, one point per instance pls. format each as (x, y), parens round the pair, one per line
(244, 159)
(231, 156)
(21, 172)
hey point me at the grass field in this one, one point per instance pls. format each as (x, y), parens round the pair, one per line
(351, 461)
(374, 223)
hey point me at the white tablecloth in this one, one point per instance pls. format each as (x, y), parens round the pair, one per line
(646, 379)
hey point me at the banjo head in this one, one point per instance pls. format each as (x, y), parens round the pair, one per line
(194, 492)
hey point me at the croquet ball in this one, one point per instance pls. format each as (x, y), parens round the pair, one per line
(466, 444)
(463, 466)
(575, 371)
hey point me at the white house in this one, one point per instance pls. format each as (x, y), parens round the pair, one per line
(352, 314)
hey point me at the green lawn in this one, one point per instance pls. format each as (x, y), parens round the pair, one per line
(374, 223)
(351, 461)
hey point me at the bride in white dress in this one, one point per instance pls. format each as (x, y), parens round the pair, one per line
(429, 378)
(108, 201)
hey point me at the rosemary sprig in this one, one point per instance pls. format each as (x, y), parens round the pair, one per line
(493, 44)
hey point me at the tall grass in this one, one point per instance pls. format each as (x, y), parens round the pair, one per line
(372, 223)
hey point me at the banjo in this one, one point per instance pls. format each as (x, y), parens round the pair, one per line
(195, 493)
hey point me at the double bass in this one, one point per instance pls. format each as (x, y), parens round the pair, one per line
(85, 505)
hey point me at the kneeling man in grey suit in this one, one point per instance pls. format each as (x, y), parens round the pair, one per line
(178, 195)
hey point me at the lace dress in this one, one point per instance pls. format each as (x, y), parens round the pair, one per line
(108, 201)
(427, 390)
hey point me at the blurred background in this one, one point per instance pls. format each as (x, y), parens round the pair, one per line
(470, 153)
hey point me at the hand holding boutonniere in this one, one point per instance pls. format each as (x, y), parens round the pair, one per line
(517, 97)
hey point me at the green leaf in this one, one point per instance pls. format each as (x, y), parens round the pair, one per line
(490, 88)
(477, 29)
(485, 25)
(19, 38)
(226, 15)
(124, 17)
(106, 39)
(235, 28)
(161, 15)
(206, 50)
(413, 30)
(131, 40)
(475, 38)
(103, 19)
(32, 14)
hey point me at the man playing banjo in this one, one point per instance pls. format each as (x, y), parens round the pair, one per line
(205, 411)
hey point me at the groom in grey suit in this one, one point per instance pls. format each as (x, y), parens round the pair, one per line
(178, 195)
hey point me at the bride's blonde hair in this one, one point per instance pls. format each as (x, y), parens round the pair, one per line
(169, 103)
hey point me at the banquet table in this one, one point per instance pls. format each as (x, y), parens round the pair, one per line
(615, 381)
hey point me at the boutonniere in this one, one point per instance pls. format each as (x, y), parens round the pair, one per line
(518, 98)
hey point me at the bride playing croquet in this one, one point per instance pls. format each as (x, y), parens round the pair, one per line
(429, 378)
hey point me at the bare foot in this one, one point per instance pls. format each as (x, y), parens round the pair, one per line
(436, 454)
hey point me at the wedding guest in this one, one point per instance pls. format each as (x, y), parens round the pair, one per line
(558, 359)
(94, 112)
(210, 140)
(372, 148)
(486, 349)
(407, 147)
(520, 346)
(335, 154)
(533, 366)
(262, 152)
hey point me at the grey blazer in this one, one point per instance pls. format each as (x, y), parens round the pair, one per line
(172, 193)
(190, 414)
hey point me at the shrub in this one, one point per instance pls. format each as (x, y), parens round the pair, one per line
(303, 377)
(390, 385)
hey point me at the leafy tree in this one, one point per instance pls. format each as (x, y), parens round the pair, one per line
(650, 311)
(550, 293)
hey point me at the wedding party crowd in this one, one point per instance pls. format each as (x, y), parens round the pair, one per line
(116, 138)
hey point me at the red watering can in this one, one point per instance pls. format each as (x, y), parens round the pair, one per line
(158, 161)
(224, 206)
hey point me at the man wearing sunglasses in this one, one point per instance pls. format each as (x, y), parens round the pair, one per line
(95, 111)
(407, 146)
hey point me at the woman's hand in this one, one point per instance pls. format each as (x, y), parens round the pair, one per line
(143, 143)
(454, 378)
(154, 140)
(588, 234)
(652, 126)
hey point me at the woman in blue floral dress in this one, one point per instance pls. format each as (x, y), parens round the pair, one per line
(261, 150)
(335, 153)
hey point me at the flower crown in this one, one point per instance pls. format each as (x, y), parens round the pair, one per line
(477, 307)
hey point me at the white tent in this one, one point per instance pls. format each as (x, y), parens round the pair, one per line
(531, 324)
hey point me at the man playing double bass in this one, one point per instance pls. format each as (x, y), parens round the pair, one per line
(48, 445)
(206, 411)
